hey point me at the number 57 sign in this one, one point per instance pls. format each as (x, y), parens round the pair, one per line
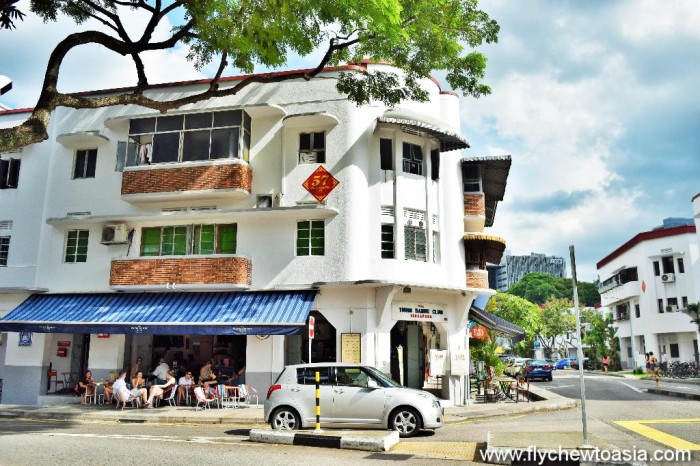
(320, 183)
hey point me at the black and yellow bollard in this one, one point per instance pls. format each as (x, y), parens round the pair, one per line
(318, 402)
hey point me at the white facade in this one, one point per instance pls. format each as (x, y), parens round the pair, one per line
(359, 290)
(645, 284)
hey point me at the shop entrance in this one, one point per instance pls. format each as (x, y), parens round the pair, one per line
(410, 337)
(323, 345)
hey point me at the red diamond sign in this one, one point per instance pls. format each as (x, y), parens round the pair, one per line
(320, 183)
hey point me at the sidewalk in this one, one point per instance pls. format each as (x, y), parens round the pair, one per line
(253, 415)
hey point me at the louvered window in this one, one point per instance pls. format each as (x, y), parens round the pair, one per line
(388, 241)
(4, 249)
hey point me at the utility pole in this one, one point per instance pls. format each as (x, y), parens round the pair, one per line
(579, 349)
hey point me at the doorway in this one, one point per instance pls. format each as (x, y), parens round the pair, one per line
(409, 336)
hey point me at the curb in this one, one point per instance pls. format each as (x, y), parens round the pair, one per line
(660, 391)
(358, 440)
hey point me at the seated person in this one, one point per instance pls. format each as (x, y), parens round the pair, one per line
(159, 389)
(239, 377)
(185, 384)
(225, 371)
(120, 390)
(85, 386)
(139, 381)
(207, 376)
(109, 386)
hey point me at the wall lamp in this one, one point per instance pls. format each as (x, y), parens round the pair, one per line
(407, 289)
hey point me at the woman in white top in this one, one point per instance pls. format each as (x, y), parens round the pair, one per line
(158, 390)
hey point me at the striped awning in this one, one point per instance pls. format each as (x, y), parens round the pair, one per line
(498, 324)
(222, 313)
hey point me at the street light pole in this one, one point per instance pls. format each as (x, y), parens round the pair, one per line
(579, 349)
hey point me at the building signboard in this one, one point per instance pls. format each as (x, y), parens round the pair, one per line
(351, 348)
(459, 362)
(420, 312)
(437, 362)
(320, 183)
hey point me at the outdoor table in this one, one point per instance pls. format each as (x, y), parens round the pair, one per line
(505, 383)
(229, 395)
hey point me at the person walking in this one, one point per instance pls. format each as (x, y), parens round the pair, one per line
(664, 363)
(606, 362)
(654, 367)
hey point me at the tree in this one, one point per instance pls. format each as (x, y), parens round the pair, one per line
(519, 312)
(9, 13)
(539, 287)
(557, 321)
(600, 337)
(416, 37)
(693, 310)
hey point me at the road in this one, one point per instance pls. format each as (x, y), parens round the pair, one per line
(619, 411)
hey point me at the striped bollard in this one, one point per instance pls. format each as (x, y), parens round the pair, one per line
(318, 402)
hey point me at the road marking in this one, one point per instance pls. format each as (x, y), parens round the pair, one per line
(461, 451)
(630, 386)
(562, 386)
(641, 428)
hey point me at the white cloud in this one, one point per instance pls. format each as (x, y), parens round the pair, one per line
(651, 20)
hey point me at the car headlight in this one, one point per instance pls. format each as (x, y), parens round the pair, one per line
(436, 404)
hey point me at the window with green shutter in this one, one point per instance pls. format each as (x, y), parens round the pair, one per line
(77, 245)
(203, 239)
(311, 238)
(150, 242)
(415, 242)
(189, 239)
(226, 241)
(174, 241)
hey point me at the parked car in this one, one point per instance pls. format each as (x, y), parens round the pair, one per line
(565, 363)
(552, 362)
(586, 364)
(537, 369)
(351, 395)
(513, 365)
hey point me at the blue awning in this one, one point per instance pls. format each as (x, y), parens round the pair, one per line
(222, 313)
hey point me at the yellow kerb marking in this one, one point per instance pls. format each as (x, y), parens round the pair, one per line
(669, 440)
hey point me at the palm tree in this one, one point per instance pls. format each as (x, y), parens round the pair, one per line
(693, 310)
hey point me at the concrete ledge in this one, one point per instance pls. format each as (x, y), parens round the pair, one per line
(379, 440)
(661, 391)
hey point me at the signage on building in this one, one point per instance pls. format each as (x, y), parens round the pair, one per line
(437, 362)
(312, 321)
(351, 348)
(320, 183)
(63, 343)
(459, 362)
(479, 332)
(421, 312)
(103, 335)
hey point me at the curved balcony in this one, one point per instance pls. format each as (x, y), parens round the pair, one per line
(480, 249)
(181, 273)
(474, 212)
(478, 279)
(229, 179)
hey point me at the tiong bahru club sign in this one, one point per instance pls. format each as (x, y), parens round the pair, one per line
(420, 312)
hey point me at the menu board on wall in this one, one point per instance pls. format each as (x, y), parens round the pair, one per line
(350, 348)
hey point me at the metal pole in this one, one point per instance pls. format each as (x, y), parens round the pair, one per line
(579, 350)
(318, 402)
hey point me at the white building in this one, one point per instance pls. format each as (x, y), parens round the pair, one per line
(192, 235)
(513, 268)
(646, 283)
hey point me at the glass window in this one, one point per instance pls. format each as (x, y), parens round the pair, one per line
(637, 312)
(684, 300)
(657, 269)
(674, 350)
(195, 145)
(224, 143)
(681, 265)
(434, 165)
(471, 177)
(9, 173)
(387, 241)
(386, 154)
(412, 159)
(165, 147)
(415, 242)
(85, 163)
(667, 264)
(310, 238)
(142, 126)
(203, 239)
(660, 304)
(189, 239)
(174, 241)
(307, 375)
(312, 147)
(4, 249)
(77, 245)
(198, 120)
(150, 242)
(228, 118)
(170, 123)
(227, 239)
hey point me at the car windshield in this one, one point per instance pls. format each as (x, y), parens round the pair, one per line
(382, 378)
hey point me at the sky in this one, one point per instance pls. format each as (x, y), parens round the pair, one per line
(597, 102)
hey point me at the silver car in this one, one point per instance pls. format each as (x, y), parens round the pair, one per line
(350, 395)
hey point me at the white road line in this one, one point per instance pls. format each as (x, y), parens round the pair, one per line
(679, 387)
(630, 386)
(562, 386)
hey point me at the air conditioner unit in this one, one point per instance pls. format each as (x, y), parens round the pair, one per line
(115, 234)
(668, 277)
(672, 308)
(268, 200)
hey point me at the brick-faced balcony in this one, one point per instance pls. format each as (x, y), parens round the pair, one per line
(478, 279)
(478, 250)
(229, 179)
(474, 211)
(186, 272)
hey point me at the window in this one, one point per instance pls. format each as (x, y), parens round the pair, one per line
(637, 313)
(667, 264)
(471, 177)
(412, 159)
(681, 266)
(415, 240)
(436, 247)
(4, 249)
(188, 240)
(660, 304)
(684, 301)
(387, 241)
(85, 163)
(77, 245)
(435, 164)
(386, 154)
(312, 148)
(657, 269)
(674, 350)
(186, 138)
(9, 173)
(310, 238)
(307, 375)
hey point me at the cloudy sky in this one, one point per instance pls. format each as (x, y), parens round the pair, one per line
(597, 102)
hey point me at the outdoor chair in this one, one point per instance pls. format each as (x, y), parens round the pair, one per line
(248, 391)
(53, 379)
(202, 400)
(168, 396)
(522, 389)
(124, 397)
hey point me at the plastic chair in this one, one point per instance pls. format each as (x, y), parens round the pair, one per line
(53, 378)
(170, 398)
(202, 400)
(125, 396)
(248, 392)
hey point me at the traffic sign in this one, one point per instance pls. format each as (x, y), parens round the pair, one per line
(320, 183)
(312, 321)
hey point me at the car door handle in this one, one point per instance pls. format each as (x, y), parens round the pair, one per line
(339, 391)
(294, 389)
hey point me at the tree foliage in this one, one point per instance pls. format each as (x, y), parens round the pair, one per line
(9, 14)
(693, 310)
(519, 312)
(600, 337)
(557, 323)
(417, 37)
(539, 287)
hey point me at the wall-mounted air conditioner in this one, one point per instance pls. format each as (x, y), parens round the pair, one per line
(268, 200)
(671, 308)
(115, 234)
(668, 277)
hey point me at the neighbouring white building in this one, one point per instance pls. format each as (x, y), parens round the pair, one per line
(194, 234)
(646, 283)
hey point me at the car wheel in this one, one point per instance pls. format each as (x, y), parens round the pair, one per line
(549, 379)
(406, 421)
(285, 419)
